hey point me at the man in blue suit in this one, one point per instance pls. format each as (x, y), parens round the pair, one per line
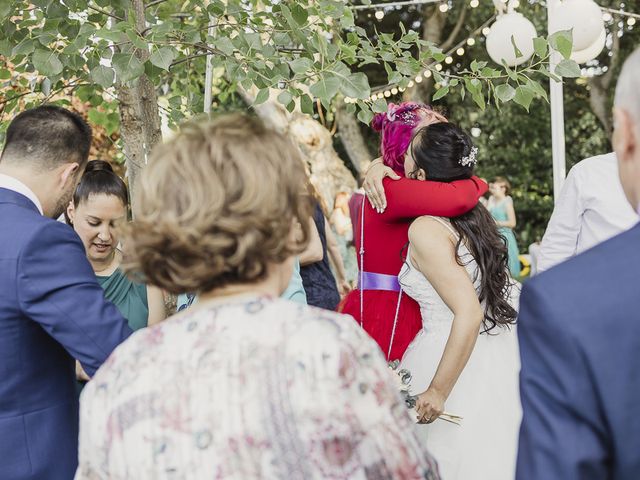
(52, 310)
(580, 341)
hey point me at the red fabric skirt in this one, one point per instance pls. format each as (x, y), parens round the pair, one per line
(379, 313)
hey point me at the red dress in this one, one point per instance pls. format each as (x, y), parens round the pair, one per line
(385, 236)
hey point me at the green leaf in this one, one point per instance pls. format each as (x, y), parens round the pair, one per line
(285, 97)
(127, 66)
(110, 35)
(512, 74)
(365, 116)
(538, 89)
(540, 46)
(5, 74)
(548, 74)
(25, 47)
(440, 93)
(355, 85)
(462, 92)
(379, 106)
(103, 76)
(568, 69)
(163, 57)
(301, 65)
(299, 14)
(306, 104)
(562, 41)
(47, 62)
(515, 47)
(505, 92)
(325, 88)
(224, 45)
(524, 95)
(262, 96)
(478, 98)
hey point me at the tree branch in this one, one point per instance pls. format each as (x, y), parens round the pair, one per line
(104, 12)
(154, 3)
(456, 29)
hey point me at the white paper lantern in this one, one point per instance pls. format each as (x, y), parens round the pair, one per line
(499, 44)
(583, 56)
(584, 17)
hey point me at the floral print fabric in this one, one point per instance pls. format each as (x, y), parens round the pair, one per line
(248, 389)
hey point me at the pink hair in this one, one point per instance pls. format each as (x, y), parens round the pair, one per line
(397, 127)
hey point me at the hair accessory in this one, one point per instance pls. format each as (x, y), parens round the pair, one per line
(471, 158)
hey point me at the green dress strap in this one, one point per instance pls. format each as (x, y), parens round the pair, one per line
(130, 298)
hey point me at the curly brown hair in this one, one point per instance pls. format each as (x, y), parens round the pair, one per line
(217, 204)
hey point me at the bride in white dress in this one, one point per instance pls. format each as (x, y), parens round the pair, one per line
(465, 359)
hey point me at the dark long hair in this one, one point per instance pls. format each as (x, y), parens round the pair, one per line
(439, 149)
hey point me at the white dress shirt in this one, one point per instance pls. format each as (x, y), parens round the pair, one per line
(15, 185)
(591, 209)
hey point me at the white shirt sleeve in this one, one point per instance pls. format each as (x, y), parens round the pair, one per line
(561, 237)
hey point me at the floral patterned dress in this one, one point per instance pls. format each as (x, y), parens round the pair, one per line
(248, 388)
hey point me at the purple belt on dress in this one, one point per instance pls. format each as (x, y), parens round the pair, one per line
(378, 281)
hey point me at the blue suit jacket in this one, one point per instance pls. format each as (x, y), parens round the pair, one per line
(580, 382)
(52, 310)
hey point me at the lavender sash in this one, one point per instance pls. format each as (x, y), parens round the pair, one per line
(378, 281)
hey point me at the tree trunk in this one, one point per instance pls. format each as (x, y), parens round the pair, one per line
(352, 139)
(139, 113)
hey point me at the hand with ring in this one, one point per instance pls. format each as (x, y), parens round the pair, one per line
(372, 184)
(430, 405)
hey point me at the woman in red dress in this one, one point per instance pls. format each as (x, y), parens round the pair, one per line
(391, 318)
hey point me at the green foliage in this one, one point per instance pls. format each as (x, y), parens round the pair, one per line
(302, 48)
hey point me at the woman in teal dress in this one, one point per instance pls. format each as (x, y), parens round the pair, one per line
(500, 206)
(99, 204)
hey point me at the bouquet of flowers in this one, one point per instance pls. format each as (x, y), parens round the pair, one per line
(404, 385)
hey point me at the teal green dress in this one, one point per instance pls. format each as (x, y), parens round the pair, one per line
(130, 298)
(499, 213)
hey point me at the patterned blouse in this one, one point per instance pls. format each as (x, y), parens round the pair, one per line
(248, 388)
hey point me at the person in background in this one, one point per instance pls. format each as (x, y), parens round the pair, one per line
(318, 279)
(243, 384)
(52, 309)
(500, 205)
(580, 337)
(341, 222)
(99, 207)
(591, 208)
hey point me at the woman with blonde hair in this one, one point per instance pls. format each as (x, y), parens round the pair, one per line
(243, 384)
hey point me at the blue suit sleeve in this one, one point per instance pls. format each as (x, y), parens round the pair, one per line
(58, 290)
(562, 435)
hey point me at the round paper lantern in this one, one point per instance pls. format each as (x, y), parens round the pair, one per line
(583, 56)
(499, 44)
(584, 17)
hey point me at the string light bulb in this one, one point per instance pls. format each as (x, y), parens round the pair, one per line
(410, 84)
(419, 79)
(427, 73)
(444, 7)
(607, 17)
(438, 67)
(401, 89)
(474, 3)
(471, 42)
(394, 91)
(631, 21)
(486, 31)
(387, 93)
(460, 51)
(448, 60)
(379, 14)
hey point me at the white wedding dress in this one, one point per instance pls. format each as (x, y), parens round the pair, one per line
(484, 446)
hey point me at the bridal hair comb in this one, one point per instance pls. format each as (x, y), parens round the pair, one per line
(470, 159)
